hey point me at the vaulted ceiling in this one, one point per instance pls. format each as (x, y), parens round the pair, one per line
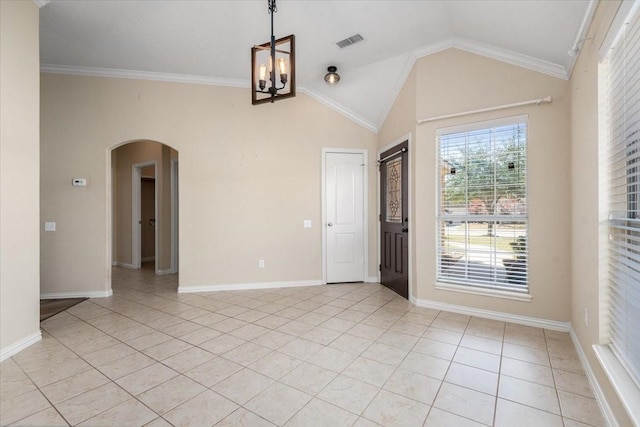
(210, 41)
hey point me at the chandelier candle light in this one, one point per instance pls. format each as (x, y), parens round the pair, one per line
(269, 65)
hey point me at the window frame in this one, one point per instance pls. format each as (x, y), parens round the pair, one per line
(495, 289)
(614, 365)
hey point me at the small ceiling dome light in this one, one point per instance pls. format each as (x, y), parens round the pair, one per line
(332, 78)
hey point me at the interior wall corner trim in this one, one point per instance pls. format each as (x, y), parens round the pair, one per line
(536, 322)
(246, 286)
(17, 347)
(593, 381)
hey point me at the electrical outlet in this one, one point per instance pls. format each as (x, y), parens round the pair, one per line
(586, 317)
(260, 263)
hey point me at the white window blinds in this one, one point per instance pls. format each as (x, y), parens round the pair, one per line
(622, 68)
(482, 206)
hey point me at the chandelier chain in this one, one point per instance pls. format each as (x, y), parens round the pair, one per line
(272, 6)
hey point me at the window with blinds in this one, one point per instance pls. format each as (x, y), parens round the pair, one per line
(482, 206)
(622, 75)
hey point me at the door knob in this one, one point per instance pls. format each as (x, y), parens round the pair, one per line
(405, 230)
(330, 224)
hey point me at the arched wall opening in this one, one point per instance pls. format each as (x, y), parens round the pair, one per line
(142, 199)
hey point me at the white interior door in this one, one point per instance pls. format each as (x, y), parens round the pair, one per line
(344, 186)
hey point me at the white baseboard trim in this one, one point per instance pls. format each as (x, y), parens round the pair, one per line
(371, 279)
(85, 294)
(122, 265)
(164, 272)
(609, 418)
(17, 347)
(246, 286)
(148, 258)
(495, 315)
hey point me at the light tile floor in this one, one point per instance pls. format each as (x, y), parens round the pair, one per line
(338, 355)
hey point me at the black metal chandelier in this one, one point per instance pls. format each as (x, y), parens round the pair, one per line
(273, 72)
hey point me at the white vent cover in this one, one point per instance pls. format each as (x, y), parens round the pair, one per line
(349, 41)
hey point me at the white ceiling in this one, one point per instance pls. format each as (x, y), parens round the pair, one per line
(210, 41)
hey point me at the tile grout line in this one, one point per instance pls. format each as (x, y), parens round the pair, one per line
(231, 300)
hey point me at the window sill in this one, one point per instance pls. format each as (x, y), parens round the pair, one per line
(517, 296)
(625, 387)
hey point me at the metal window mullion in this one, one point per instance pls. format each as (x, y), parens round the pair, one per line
(493, 256)
(466, 199)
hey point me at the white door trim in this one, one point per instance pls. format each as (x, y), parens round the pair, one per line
(365, 184)
(174, 215)
(136, 213)
(411, 223)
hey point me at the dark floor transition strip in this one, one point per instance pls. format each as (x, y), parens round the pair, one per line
(51, 307)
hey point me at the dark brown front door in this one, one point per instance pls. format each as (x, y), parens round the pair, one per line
(394, 220)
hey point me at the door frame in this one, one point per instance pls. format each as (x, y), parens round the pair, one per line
(136, 214)
(365, 201)
(174, 215)
(411, 224)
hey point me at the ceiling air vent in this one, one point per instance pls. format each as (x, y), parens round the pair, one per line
(349, 41)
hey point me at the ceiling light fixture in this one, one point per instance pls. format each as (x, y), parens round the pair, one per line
(271, 60)
(332, 78)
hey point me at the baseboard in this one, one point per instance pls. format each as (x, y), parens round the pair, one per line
(122, 265)
(372, 279)
(495, 315)
(246, 286)
(595, 385)
(17, 347)
(86, 294)
(164, 272)
(148, 258)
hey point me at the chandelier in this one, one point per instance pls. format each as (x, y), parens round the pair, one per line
(273, 72)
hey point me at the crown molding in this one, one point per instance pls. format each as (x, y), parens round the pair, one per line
(511, 57)
(41, 3)
(496, 53)
(582, 34)
(142, 75)
(436, 47)
(188, 78)
(339, 108)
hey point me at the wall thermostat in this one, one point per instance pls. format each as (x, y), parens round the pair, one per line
(79, 182)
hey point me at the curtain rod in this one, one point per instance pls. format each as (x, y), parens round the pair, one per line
(402, 150)
(545, 100)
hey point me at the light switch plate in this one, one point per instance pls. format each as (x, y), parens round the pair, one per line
(49, 226)
(307, 223)
(79, 182)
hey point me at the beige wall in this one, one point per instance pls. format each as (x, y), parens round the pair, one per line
(455, 81)
(249, 176)
(401, 119)
(19, 174)
(585, 225)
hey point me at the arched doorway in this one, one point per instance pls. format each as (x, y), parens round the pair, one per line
(144, 206)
